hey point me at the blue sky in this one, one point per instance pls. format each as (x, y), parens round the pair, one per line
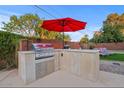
(94, 15)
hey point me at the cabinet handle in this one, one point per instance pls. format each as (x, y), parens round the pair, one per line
(61, 54)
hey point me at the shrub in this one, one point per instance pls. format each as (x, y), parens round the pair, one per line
(8, 49)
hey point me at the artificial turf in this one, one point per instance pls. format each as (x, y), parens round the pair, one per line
(114, 57)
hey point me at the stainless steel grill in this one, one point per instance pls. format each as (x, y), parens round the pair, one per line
(43, 50)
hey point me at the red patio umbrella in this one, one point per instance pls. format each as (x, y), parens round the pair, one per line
(63, 25)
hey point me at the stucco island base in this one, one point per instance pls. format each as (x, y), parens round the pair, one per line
(82, 63)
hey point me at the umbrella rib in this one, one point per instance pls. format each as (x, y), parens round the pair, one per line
(75, 24)
(78, 21)
(48, 27)
(50, 23)
(70, 27)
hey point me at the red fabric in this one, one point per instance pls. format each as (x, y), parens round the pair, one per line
(63, 25)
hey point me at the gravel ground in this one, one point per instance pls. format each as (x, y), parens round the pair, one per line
(112, 66)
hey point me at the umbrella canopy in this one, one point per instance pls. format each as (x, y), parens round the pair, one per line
(63, 25)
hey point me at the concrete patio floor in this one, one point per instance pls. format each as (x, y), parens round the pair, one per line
(62, 79)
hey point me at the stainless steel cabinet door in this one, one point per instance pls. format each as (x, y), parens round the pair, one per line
(41, 70)
(50, 66)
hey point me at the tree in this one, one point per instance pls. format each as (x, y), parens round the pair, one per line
(112, 29)
(67, 38)
(30, 25)
(84, 39)
(112, 19)
(97, 39)
(113, 33)
(24, 25)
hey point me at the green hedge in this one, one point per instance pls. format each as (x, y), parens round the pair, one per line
(8, 49)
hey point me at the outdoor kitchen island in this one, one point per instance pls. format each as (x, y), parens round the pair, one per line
(82, 63)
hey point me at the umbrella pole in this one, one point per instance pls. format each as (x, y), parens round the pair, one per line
(63, 39)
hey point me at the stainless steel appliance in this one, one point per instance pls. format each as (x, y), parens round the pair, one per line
(43, 50)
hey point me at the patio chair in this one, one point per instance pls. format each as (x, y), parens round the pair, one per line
(103, 51)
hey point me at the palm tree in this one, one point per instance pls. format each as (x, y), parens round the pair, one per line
(84, 41)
